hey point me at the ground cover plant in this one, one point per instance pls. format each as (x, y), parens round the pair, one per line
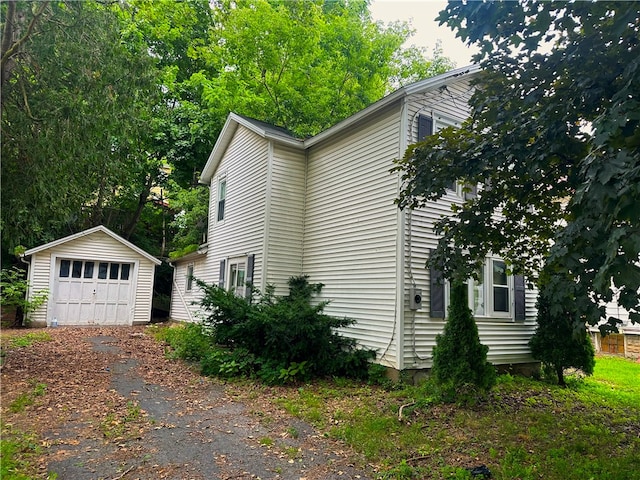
(526, 429)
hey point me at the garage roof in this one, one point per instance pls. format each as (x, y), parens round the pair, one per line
(99, 228)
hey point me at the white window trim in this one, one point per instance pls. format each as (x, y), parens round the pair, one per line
(188, 284)
(239, 290)
(489, 312)
(219, 181)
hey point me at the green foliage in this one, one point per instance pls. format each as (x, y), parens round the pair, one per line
(460, 369)
(560, 341)
(190, 223)
(13, 291)
(26, 399)
(227, 363)
(290, 337)
(188, 341)
(74, 132)
(29, 339)
(19, 451)
(528, 429)
(554, 136)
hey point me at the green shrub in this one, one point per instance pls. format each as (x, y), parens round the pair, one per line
(289, 337)
(13, 288)
(460, 370)
(561, 340)
(188, 342)
(228, 363)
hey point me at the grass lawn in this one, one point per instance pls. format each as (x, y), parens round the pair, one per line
(525, 430)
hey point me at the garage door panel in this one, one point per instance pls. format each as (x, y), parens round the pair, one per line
(123, 293)
(75, 291)
(84, 296)
(87, 314)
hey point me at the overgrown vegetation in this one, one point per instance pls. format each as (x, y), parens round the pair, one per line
(14, 287)
(279, 339)
(18, 451)
(460, 370)
(561, 340)
(525, 429)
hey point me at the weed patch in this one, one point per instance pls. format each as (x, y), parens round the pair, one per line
(525, 429)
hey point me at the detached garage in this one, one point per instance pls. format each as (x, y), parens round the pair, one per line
(94, 277)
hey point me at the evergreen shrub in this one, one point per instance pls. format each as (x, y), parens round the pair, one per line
(460, 369)
(561, 339)
(287, 337)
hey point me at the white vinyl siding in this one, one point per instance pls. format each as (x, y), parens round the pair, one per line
(244, 166)
(185, 303)
(98, 247)
(286, 217)
(350, 228)
(507, 339)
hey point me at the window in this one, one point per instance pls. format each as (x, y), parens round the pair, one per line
(65, 265)
(88, 269)
(494, 293)
(490, 295)
(500, 284)
(477, 294)
(113, 271)
(222, 194)
(237, 272)
(102, 270)
(76, 271)
(124, 272)
(189, 282)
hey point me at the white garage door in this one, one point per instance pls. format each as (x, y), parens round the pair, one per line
(88, 292)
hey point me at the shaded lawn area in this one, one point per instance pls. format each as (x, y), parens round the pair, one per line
(526, 429)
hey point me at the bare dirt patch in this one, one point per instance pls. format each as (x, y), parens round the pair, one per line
(111, 405)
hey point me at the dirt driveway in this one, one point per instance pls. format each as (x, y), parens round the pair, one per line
(106, 403)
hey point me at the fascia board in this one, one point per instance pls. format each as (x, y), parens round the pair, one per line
(226, 135)
(99, 228)
(424, 85)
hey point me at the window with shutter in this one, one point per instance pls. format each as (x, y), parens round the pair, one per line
(436, 292)
(494, 294)
(425, 127)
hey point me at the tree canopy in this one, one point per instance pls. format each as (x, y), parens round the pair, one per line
(102, 101)
(553, 142)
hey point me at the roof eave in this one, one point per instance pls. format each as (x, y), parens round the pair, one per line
(99, 228)
(427, 84)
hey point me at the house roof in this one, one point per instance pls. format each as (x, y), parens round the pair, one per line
(263, 129)
(99, 228)
(283, 136)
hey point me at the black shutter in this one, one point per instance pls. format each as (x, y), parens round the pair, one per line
(519, 297)
(436, 292)
(221, 274)
(250, 261)
(425, 127)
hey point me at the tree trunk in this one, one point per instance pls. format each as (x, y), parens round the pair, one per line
(560, 373)
(142, 201)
